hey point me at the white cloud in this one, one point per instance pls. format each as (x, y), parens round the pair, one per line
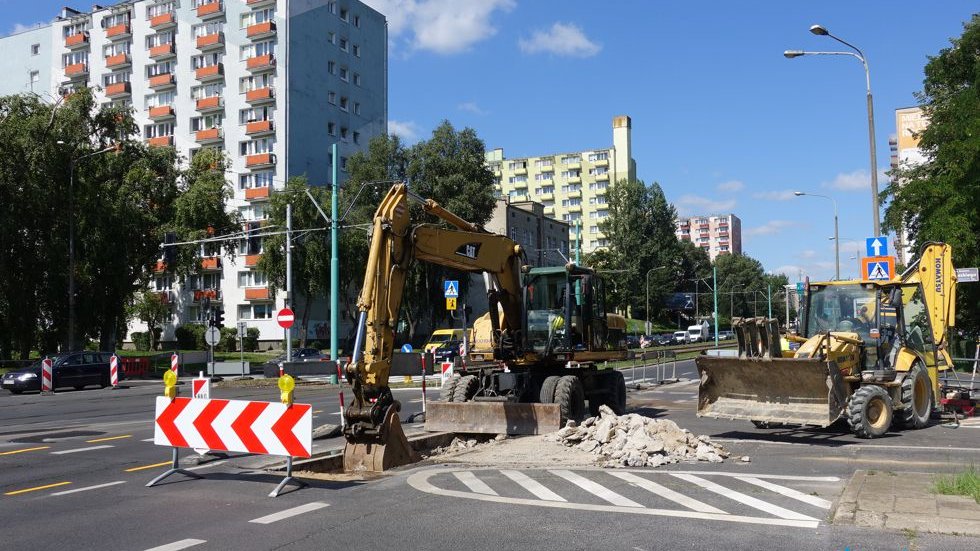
(441, 26)
(769, 228)
(20, 27)
(789, 270)
(565, 39)
(784, 195)
(690, 205)
(471, 107)
(807, 253)
(408, 131)
(858, 180)
(731, 186)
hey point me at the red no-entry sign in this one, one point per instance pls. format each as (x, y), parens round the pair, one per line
(285, 318)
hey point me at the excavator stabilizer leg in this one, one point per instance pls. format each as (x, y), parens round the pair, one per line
(492, 417)
(377, 453)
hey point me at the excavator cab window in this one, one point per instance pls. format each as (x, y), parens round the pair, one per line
(545, 298)
(918, 332)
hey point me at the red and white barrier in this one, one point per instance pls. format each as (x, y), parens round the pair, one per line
(175, 363)
(47, 375)
(234, 425)
(423, 383)
(114, 371)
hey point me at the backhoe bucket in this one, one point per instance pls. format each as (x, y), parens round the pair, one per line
(377, 453)
(492, 417)
(774, 390)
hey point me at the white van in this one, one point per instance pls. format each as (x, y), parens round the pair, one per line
(680, 337)
(698, 333)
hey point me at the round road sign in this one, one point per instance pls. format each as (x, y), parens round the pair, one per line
(212, 336)
(285, 318)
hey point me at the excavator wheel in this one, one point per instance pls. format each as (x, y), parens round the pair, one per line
(466, 388)
(547, 395)
(448, 390)
(917, 398)
(869, 411)
(570, 398)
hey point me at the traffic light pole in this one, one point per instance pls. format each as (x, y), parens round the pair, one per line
(289, 276)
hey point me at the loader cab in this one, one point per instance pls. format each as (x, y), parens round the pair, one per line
(854, 307)
(566, 310)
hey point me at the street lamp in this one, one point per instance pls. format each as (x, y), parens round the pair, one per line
(790, 54)
(836, 234)
(71, 237)
(647, 326)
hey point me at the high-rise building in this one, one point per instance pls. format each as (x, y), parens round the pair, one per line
(909, 124)
(273, 83)
(572, 186)
(544, 239)
(716, 234)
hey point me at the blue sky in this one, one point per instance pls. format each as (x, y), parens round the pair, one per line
(720, 118)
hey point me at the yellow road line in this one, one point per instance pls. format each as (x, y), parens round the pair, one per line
(12, 452)
(36, 488)
(109, 438)
(318, 411)
(144, 467)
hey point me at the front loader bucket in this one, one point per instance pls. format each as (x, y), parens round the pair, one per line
(377, 453)
(492, 417)
(776, 390)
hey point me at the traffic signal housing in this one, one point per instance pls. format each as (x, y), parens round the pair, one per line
(219, 318)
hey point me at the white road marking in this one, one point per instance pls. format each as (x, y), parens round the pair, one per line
(532, 486)
(667, 493)
(596, 489)
(788, 492)
(76, 490)
(742, 498)
(147, 440)
(177, 545)
(475, 484)
(849, 445)
(76, 450)
(269, 519)
(763, 476)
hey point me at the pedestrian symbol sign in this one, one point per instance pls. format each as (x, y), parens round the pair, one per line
(450, 303)
(451, 288)
(878, 268)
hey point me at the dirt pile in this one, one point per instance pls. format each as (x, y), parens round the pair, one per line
(466, 443)
(636, 441)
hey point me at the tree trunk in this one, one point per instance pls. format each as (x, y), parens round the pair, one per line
(306, 319)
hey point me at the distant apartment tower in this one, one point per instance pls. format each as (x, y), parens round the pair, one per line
(273, 83)
(544, 239)
(571, 187)
(716, 234)
(909, 124)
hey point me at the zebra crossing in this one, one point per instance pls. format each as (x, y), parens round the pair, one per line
(780, 500)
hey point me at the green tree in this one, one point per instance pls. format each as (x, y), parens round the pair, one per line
(149, 308)
(937, 200)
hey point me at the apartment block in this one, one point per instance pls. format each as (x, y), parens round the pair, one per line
(273, 83)
(716, 234)
(544, 239)
(571, 187)
(910, 122)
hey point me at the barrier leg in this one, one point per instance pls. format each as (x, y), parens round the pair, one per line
(289, 478)
(174, 469)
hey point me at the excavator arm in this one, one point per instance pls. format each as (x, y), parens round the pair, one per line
(375, 440)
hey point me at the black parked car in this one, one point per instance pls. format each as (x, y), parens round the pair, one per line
(300, 355)
(76, 369)
(447, 351)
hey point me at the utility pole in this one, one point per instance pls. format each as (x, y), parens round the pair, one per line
(770, 299)
(289, 276)
(334, 260)
(714, 278)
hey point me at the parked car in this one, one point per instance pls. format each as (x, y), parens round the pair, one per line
(726, 335)
(632, 341)
(664, 339)
(680, 337)
(300, 355)
(448, 351)
(76, 369)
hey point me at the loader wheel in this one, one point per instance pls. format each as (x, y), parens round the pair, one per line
(547, 395)
(570, 398)
(466, 388)
(917, 398)
(869, 412)
(448, 390)
(617, 393)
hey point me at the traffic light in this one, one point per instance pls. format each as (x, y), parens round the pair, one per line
(219, 318)
(169, 249)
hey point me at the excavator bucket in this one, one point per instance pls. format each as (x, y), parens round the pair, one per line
(381, 452)
(492, 417)
(759, 385)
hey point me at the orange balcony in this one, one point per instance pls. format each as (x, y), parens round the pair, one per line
(260, 62)
(161, 141)
(211, 9)
(76, 69)
(161, 266)
(260, 30)
(255, 193)
(252, 259)
(257, 293)
(118, 31)
(117, 61)
(161, 51)
(162, 81)
(117, 89)
(210, 73)
(259, 95)
(261, 159)
(162, 21)
(211, 263)
(209, 41)
(161, 112)
(256, 3)
(259, 127)
(209, 135)
(76, 40)
(211, 294)
(209, 104)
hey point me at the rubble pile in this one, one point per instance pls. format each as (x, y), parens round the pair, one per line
(460, 444)
(636, 441)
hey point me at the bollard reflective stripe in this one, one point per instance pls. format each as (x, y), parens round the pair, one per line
(114, 371)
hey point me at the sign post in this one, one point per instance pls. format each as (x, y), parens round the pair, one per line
(285, 319)
(211, 336)
(242, 330)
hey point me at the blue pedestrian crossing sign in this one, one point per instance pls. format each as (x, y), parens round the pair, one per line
(451, 288)
(878, 268)
(876, 246)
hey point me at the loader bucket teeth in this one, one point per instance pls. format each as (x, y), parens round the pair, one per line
(381, 452)
(492, 417)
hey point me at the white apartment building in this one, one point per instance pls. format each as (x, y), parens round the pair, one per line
(716, 234)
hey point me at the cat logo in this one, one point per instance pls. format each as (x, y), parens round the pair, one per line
(469, 250)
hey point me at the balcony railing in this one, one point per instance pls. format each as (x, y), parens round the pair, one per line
(162, 51)
(160, 112)
(209, 135)
(256, 193)
(76, 40)
(257, 293)
(259, 127)
(252, 259)
(257, 3)
(259, 95)
(211, 9)
(76, 69)
(210, 294)
(260, 159)
(210, 73)
(211, 263)
(161, 141)
(209, 104)
(117, 89)
(117, 61)
(118, 31)
(260, 62)
(162, 81)
(162, 21)
(260, 30)
(211, 41)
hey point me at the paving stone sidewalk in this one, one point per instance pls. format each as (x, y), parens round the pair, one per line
(904, 501)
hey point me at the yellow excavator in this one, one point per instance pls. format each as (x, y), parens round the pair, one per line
(870, 352)
(548, 331)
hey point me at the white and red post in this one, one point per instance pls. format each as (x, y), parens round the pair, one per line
(114, 371)
(423, 383)
(340, 395)
(174, 363)
(47, 376)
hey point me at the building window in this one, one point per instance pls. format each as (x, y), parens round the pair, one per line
(343, 14)
(357, 137)
(35, 77)
(357, 108)
(344, 74)
(357, 51)
(603, 156)
(344, 44)
(343, 103)
(593, 229)
(343, 133)
(331, 129)
(343, 164)
(357, 79)
(332, 98)
(35, 49)
(357, 21)
(331, 67)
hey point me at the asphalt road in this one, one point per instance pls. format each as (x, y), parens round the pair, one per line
(75, 464)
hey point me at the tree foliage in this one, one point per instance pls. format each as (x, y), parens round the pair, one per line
(937, 200)
(149, 308)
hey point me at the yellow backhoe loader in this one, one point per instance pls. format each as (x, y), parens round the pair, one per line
(547, 330)
(870, 353)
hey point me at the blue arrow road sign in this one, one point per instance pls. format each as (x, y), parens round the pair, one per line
(876, 246)
(406, 347)
(451, 288)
